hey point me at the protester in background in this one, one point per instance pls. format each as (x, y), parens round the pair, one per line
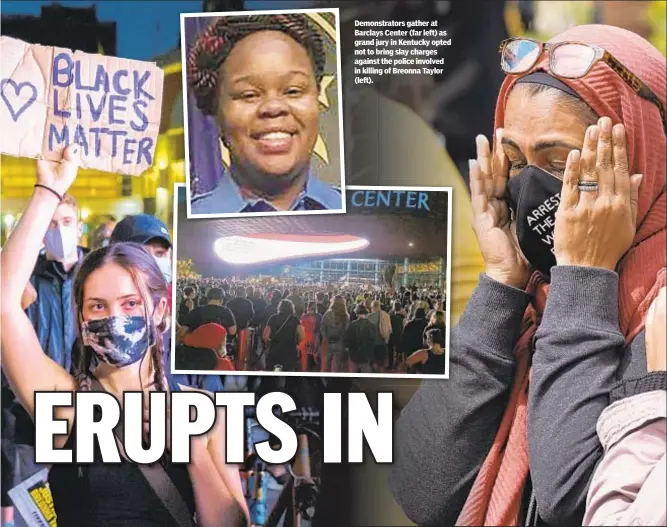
(298, 302)
(283, 334)
(212, 312)
(274, 301)
(241, 308)
(334, 326)
(202, 299)
(438, 305)
(187, 303)
(117, 291)
(150, 232)
(259, 307)
(211, 336)
(437, 321)
(382, 321)
(580, 146)
(415, 303)
(433, 360)
(270, 168)
(413, 333)
(102, 235)
(47, 299)
(628, 487)
(397, 317)
(321, 304)
(361, 338)
(310, 321)
(226, 295)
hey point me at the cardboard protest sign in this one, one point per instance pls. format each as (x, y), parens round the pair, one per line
(52, 97)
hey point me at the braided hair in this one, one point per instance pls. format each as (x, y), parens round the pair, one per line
(141, 265)
(214, 45)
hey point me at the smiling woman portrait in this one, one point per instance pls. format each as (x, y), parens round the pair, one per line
(259, 77)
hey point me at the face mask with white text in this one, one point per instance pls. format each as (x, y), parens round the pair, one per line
(534, 196)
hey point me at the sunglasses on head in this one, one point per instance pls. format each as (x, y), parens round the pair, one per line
(570, 60)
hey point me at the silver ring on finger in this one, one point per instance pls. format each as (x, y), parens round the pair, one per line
(587, 186)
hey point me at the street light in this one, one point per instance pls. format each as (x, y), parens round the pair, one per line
(410, 244)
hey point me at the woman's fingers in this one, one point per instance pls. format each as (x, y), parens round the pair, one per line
(569, 196)
(621, 172)
(485, 164)
(588, 172)
(604, 163)
(500, 165)
(477, 190)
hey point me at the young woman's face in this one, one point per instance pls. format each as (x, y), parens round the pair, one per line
(111, 291)
(268, 107)
(539, 130)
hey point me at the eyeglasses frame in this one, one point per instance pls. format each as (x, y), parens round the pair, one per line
(601, 55)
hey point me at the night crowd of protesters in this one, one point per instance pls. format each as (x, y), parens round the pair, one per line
(286, 327)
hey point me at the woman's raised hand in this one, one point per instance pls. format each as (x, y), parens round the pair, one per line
(59, 175)
(656, 341)
(503, 259)
(595, 228)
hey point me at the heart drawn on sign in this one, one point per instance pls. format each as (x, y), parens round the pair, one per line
(16, 113)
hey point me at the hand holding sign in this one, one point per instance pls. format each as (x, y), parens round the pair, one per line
(51, 98)
(59, 175)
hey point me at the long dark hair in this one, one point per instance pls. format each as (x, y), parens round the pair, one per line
(339, 310)
(148, 278)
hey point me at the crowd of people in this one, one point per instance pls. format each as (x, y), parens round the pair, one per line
(80, 319)
(286, 327)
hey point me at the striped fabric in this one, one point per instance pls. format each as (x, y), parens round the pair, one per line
(495, 498)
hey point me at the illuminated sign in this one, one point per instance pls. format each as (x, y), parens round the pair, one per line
(262, 248)
(407, 199)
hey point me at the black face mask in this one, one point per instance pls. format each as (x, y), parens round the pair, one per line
(533, 196)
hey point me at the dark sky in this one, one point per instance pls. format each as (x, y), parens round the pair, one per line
(145, 28)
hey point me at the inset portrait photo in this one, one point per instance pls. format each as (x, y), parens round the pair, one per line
(263, 113)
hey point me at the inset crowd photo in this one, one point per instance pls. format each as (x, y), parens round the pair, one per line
(360, 294)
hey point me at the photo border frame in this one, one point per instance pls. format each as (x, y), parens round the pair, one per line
(447, 292)
(339, 84)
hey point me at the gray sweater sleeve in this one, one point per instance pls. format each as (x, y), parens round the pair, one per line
(444, 433)
(578, 351)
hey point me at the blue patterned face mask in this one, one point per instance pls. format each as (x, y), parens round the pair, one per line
(117, 340)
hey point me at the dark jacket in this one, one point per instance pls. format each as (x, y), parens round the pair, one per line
(52, 314)
(413, 336)
(445, 432)
(361, 338)
(243, 311)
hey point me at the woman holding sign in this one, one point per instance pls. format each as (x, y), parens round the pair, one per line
(259, 76)
(120, 301)
(569, 212)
